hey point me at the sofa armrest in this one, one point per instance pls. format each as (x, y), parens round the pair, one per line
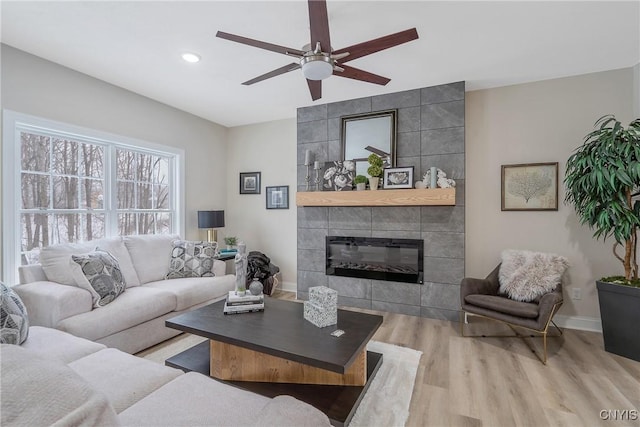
(31, 273)
(219, 267)
(48, 302)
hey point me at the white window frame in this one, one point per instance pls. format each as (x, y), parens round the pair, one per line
(14, 123)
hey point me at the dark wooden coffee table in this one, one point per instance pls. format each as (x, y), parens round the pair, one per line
(254, 350)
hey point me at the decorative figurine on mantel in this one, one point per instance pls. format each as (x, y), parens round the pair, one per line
(435, 178)
(241, 269)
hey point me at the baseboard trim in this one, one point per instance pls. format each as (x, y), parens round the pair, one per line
(581, 323)
(289, 287)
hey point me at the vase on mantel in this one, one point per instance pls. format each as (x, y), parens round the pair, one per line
(373, 182)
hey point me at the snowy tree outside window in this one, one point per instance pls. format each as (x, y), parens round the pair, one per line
(74, 186)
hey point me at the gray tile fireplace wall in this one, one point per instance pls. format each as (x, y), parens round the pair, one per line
(430, 133)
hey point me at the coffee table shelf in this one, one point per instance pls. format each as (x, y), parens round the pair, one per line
(339, 403)
(281, 331)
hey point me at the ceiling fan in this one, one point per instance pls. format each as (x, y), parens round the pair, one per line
(318, 60)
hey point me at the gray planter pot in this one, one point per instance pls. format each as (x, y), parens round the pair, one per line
(620, 314)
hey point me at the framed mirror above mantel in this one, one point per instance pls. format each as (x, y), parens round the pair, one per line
(364, 134)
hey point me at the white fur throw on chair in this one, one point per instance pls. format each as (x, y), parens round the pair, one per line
(527, 275)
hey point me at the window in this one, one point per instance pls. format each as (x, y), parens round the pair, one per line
(65, 184)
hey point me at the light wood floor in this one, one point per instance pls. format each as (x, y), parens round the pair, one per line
(465, 381)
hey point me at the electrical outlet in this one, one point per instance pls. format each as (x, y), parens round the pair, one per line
(576, 293)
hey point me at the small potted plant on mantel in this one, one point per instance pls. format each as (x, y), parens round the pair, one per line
(361, 182)
(603, 185)
(374, 170)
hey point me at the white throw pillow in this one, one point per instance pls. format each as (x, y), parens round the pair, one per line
(526, 275)
(56, 259)
(151, 255)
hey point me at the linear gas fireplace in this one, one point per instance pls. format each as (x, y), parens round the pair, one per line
(396, 260)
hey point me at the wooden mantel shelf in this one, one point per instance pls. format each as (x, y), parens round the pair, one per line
(409, 197)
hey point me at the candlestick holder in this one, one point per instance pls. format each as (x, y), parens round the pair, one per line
(307, 179)
(317, 179)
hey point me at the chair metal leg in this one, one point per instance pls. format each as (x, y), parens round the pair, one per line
(543, 333)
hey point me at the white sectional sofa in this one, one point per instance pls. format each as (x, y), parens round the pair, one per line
(135, 319)
(54, 378)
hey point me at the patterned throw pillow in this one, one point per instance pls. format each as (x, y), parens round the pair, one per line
(14, 322)
(192, 259)
(100, 275)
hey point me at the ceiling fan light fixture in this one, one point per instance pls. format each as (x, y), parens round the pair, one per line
(316, 67)
(191, 57)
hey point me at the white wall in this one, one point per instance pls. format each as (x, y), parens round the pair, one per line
(34, 86)
(269, 148)
(636, 91)
(538, 122)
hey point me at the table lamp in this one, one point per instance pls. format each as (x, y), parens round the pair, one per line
(211, 220)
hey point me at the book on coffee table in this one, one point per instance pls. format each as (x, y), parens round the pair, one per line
(248, 297)
(245, 308)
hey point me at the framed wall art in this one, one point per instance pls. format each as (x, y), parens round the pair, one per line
(398, 178)
(338, 175)
(278, 197)
(530, 187)
(249, 182)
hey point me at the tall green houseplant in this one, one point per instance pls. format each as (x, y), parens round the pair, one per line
(602, 181)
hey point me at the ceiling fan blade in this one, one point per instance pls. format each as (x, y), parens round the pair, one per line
(365, 76)
(276, 72)
(315, 87)
(259, 44)
(372, 46)
(319, 24)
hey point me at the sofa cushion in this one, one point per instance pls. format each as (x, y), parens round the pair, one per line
(150, 255)
(217, 404)
(287, 410)
(40, 392)
(54, 344)
(100, 275)
(195, 290)
(192, 259)
(123, 378)
(527, 275)
(504, 305)
(14, 322)
(135, 306)
(56, 259)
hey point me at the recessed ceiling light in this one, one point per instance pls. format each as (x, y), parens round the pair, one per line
(191, 57)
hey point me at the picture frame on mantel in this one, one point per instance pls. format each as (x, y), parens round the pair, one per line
(396, 178)
(530, 187)
(249, 182)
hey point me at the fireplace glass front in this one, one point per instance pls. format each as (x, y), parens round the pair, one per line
(396, 260)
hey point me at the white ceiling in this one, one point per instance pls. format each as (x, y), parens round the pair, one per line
(137, 46)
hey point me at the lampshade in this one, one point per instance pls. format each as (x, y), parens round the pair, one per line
(316, 67)
(210, 219)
